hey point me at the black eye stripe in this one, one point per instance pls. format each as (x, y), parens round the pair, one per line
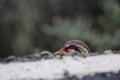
(77, 49)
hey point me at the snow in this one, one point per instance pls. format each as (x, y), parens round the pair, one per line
(55, 68)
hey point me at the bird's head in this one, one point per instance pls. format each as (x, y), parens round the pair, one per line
(75, 47)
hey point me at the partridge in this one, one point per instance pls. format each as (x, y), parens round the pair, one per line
(76, 47)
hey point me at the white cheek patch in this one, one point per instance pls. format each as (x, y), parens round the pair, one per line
(71, 50)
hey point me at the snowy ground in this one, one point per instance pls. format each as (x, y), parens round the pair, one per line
(54, 69)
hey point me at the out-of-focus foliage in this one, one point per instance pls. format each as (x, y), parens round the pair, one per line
(45, 53)
(61, 53)
(81, 29)
(27, 25)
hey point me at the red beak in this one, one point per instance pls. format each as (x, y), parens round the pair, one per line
(64, 49)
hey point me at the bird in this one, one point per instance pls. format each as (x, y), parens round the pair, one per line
(75, 47)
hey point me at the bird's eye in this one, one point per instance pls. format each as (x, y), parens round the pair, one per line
(74, 47)
(78, 50)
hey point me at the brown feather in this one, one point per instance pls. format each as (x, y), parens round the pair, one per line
(79, 42)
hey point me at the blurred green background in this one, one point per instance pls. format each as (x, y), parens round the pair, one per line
(28, 26)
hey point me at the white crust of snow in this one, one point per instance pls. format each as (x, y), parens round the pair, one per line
(54, 68)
